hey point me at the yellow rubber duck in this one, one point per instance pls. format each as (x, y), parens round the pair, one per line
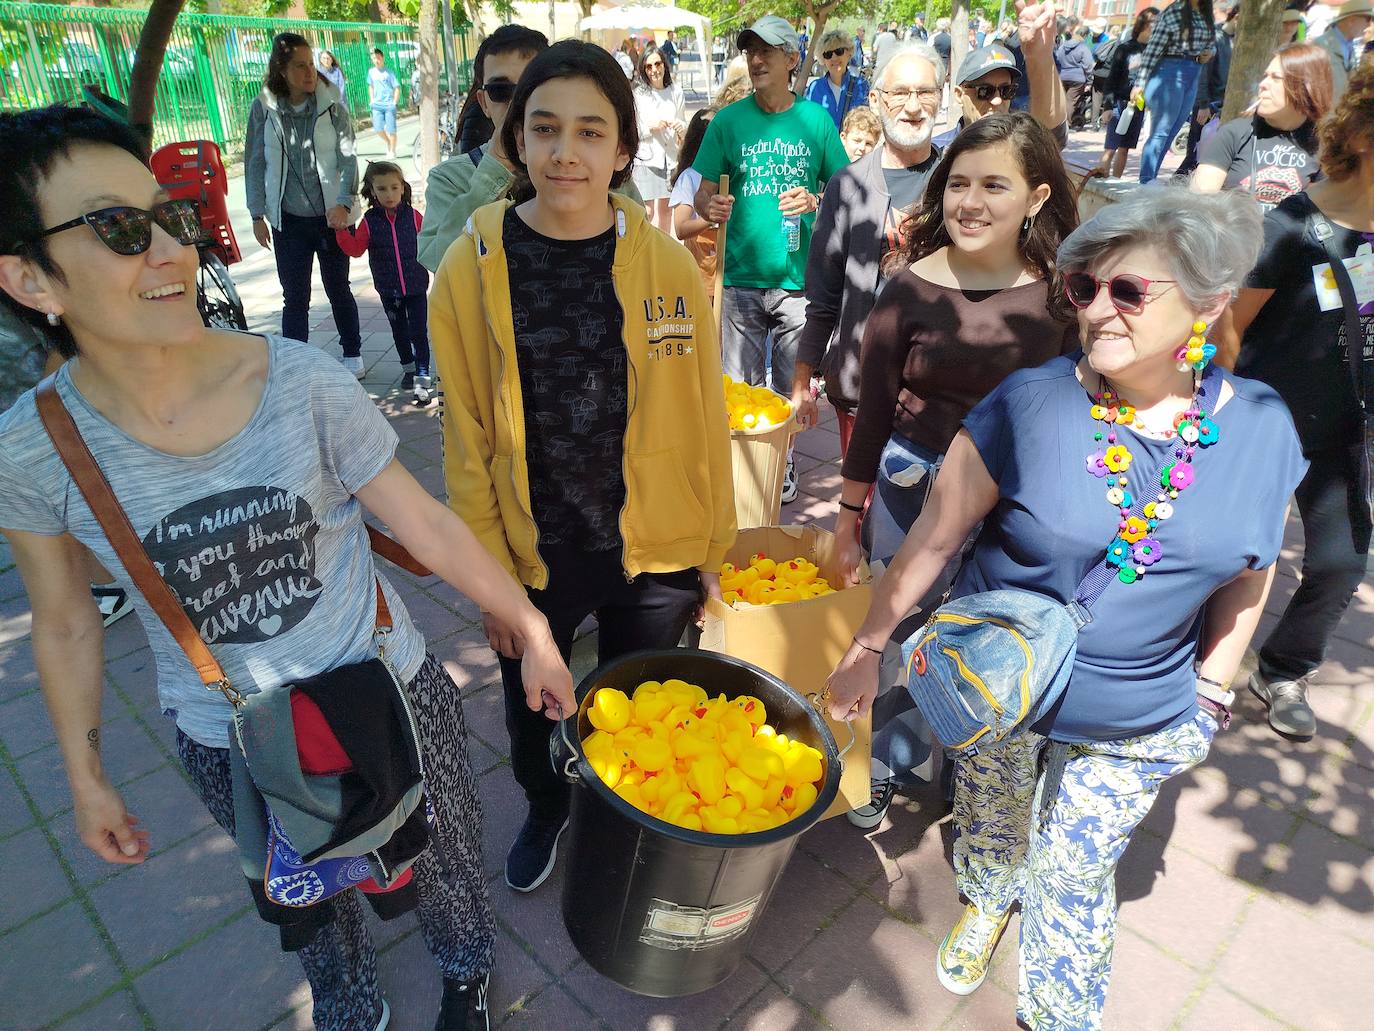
(610, 710)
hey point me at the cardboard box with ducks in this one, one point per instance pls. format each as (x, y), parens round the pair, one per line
(801, 641)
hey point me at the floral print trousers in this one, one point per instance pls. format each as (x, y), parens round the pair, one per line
(1063, 872)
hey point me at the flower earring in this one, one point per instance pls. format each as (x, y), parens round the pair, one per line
(1197, 352)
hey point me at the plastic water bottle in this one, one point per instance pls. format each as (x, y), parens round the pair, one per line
(791, 232)
(1123, 124)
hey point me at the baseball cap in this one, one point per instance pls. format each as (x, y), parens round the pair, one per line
(774, 31)
(978, 63)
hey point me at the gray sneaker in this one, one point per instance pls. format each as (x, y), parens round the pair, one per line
(1289, 712)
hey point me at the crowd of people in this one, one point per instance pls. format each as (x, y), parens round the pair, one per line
(1025, 403)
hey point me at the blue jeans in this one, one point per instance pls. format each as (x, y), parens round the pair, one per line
(751, 315)
(296, 245)
(1169, 97)
(901, 736)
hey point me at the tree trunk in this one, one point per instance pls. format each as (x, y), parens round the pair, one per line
(429, 83)
(1256, 37)
(585, 11)
(809, 58)
(148, 58)
(958, 36)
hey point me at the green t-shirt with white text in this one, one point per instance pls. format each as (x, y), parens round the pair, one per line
(765, 154)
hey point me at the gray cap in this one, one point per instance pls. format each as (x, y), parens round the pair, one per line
(978, 63)
(773, 30)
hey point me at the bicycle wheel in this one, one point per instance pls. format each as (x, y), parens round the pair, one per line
(216, 296)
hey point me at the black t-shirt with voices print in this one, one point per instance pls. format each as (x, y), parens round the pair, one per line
(1269, 163)
(1297, 342)
(570, 352)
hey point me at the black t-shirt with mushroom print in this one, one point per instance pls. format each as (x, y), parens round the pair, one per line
(570, 353)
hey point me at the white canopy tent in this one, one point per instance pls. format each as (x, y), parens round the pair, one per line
(657, 16)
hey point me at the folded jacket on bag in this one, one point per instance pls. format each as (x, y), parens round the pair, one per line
(354, 725)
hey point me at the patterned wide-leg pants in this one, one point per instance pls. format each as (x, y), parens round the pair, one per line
(455, 919)
(1064, 872)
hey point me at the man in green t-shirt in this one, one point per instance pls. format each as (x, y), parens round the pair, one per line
(778, 150)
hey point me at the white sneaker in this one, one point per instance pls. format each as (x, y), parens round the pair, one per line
(113, 602)
(423, 385)
(354, 364)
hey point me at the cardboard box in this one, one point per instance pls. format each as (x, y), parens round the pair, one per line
(800, 642)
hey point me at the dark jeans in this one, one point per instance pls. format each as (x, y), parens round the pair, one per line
(409, 318)
(297, 243)
(650, 611)
(1336, 532)
(1075, 93)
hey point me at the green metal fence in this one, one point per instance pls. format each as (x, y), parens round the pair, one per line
(213, 69)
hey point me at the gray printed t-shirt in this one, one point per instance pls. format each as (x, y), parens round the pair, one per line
(261, 538)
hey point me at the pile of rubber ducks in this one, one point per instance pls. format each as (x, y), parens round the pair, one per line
(706, 764)
(754, 408)
(766, 582)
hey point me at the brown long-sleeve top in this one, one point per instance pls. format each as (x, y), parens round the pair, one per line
(930, 353)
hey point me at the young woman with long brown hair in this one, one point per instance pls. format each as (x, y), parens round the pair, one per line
(972, 297)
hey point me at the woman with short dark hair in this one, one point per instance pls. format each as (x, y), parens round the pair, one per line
(243, 464)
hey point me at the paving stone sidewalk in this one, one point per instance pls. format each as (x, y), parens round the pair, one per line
(1247, 898)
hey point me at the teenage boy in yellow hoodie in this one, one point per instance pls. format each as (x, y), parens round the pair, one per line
(585, 436)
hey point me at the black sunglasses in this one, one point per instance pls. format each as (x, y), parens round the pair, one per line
(499, 92)
(127, 230)
(984, 91)
(834, 53)
(1127, 293)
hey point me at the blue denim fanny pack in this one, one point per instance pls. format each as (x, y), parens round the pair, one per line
(986, 664)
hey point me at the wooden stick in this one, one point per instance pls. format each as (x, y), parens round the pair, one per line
(724, 191)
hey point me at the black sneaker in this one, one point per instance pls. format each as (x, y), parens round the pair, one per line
(530, 860)
(113, 602)
(408, 380)
(464, 1007)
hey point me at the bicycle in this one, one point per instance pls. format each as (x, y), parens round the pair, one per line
(448, 133)
(194, 170)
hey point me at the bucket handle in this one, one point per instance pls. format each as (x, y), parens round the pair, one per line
(569, 764)
(818, 700)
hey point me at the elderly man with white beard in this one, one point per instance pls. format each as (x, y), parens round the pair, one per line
(859, 221)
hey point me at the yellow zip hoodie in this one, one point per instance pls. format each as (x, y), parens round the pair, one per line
(679, 495)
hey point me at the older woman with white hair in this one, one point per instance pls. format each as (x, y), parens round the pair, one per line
(1170, 477)
(841, 89)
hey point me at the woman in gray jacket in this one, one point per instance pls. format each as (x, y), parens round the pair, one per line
(301, 174)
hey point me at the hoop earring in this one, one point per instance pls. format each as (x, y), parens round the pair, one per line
(54, 319)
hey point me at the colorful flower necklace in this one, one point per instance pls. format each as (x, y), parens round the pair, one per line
(1135, 548)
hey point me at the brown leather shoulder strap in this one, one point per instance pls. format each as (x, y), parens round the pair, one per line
(85, 471)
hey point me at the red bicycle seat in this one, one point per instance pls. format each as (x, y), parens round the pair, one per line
(194, 170)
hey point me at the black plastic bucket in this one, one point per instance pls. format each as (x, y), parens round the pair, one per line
(659, 909)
